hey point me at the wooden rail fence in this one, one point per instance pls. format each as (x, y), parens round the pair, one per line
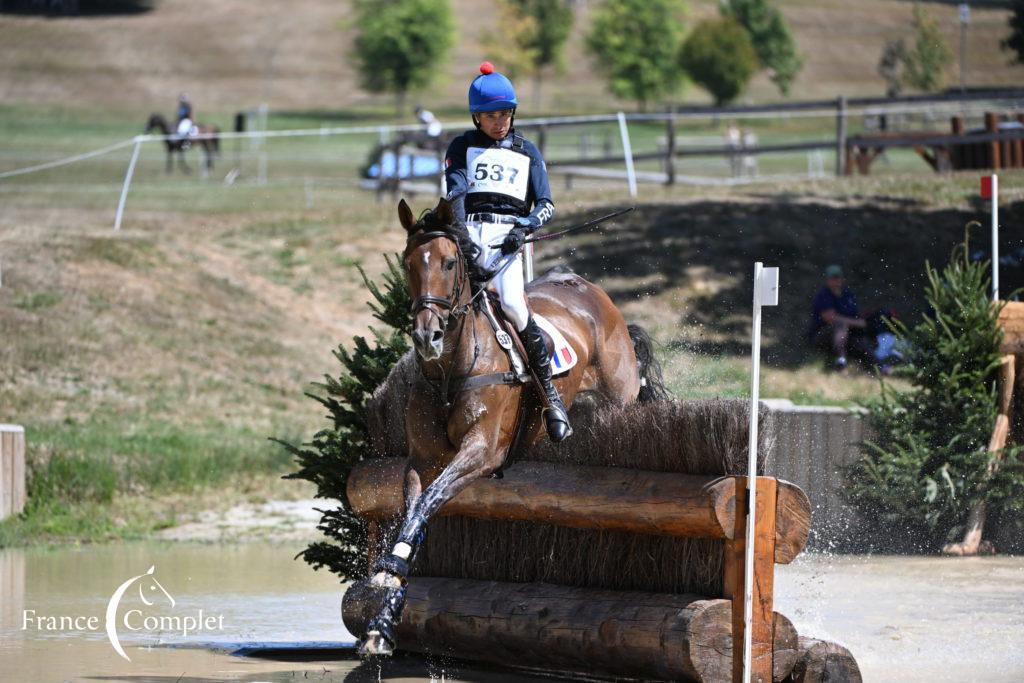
(12, 470)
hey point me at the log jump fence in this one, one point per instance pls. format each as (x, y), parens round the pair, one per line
(607, 632)
(999, 145)
(12, 470)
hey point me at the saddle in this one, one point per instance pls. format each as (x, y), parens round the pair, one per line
(563, 355)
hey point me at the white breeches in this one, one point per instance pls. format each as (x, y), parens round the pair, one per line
(184, 128)
(509, 284)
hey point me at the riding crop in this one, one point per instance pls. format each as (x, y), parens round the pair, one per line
(504, 262)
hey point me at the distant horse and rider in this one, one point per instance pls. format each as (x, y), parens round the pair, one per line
(180, 138)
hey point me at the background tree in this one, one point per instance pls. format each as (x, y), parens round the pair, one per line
(532, 38)
(771, 37)
(926, 62)
(400, 44)
(636, 45)
(928, 464)
(891, 66)
(720, 57)
(1015, 42)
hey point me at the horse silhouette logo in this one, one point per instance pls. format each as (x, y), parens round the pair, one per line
(149, 587)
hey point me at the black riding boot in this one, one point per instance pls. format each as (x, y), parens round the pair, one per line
(556, 416)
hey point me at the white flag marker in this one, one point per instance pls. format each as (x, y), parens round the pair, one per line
(990, 190)
(766, 293)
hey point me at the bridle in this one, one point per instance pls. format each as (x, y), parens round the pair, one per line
(452, 311)
(445, 309)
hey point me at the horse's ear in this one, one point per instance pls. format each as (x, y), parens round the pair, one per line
(444, 212)
(405, 216)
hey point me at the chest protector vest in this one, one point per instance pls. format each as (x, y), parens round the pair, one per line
(499, 178)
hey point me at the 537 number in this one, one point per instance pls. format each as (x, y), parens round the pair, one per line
(495, 172)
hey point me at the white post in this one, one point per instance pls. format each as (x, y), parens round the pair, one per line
(127, 183)
(627, 152)
(995, 237)
(528, 262)
(766, 293)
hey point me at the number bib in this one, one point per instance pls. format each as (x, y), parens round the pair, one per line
(498, 171)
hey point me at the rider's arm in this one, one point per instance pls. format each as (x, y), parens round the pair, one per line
(456, 178)
(540, 189)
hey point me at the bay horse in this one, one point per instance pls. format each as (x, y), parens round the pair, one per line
(460, 426)
(208, 140)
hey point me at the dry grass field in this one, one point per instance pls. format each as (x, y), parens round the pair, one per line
(233, 54)
(149, 366)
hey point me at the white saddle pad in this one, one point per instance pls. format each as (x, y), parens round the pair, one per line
(563, 356)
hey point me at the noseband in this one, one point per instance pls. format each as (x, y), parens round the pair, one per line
(425, 301)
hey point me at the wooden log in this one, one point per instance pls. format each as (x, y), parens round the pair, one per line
(1011, 320)
(536, 625)
(824, 662)
(976, 516)
(12, 470)
(584, 497)
(957, 156)
(764, 579)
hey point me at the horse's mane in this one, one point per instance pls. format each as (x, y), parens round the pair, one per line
(430, 221)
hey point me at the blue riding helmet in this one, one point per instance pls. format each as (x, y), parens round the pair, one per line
(491, 91)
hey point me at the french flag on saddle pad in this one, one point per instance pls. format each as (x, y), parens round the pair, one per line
(563, 356)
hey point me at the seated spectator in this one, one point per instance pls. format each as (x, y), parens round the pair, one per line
(836, 325)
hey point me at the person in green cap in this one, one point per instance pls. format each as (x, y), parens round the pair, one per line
(835, 317)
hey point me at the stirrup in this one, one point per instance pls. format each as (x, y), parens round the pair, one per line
(556, 420)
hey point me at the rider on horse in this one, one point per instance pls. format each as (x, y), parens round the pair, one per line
(498, 186)
(183, 128)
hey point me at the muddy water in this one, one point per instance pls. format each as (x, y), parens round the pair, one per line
(913, 619)
(905, 619)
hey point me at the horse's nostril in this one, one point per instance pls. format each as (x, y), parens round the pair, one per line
(437, 336)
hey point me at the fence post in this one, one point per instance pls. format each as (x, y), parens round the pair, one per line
(12, 470)
(992, 126)
(127, 183)
(670, 148)
(627, 152)
(841, 135)
(542, 139)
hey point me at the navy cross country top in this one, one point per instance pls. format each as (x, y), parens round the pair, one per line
(498, 176)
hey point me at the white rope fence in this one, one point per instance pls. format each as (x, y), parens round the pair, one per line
(935, 108)
(68, 160)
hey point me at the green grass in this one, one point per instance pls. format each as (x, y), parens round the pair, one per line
(81, 473)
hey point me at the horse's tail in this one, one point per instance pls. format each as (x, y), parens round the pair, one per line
(652, 385)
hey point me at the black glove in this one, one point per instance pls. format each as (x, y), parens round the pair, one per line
(514, 241)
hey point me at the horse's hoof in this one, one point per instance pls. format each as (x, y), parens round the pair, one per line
(375, 645)
(385, 580)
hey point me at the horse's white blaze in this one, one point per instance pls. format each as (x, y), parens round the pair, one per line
(402, 550)
(426, 258)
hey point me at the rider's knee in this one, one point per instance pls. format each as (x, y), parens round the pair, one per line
(517, 313)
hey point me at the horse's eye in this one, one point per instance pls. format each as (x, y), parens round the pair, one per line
(449, 263)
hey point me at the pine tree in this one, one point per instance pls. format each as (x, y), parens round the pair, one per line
(329, 458)
(929, 462)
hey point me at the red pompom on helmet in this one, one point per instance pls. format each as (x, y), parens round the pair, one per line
(491, 91)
